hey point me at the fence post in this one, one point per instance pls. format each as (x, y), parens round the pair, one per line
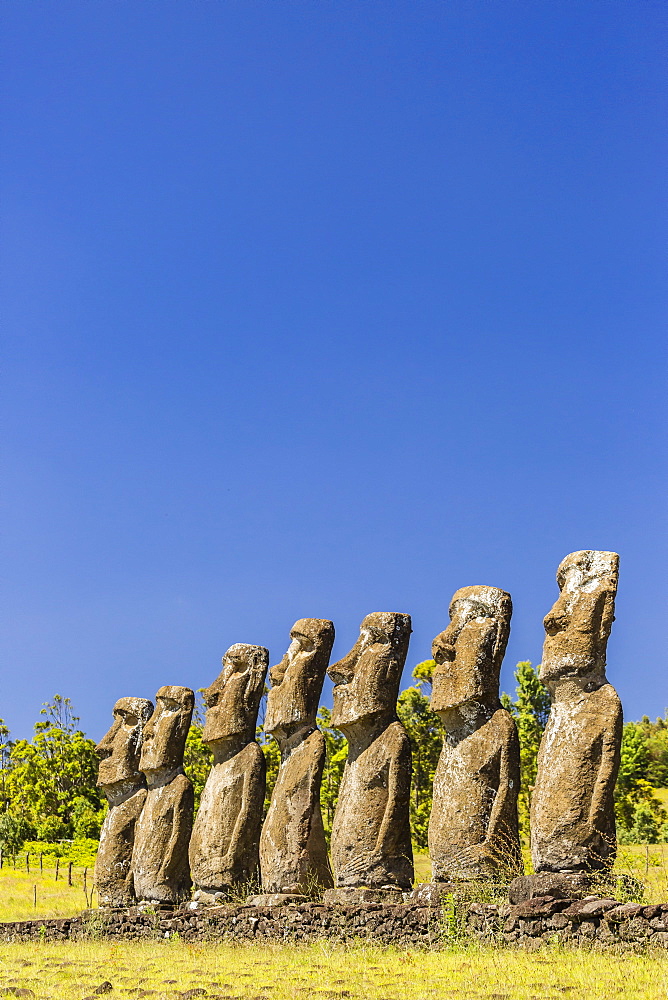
(1, 858)
(57, 867)
(34, 896)
(41, 859)
(69, 874)
(28, 862)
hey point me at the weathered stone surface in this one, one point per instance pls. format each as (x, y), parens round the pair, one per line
(293, 849)
(585, 908)
(566, 885)
(473, 829)
(359, 896)
(432, 893)
(277, 899)
(402, 925)
(224, 847)
(160, 857)
(625, 911)
(125, 788)
(538, 906)
(371, 841)
(572, 809)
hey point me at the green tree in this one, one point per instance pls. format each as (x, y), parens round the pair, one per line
(197, 756)
(270, 749)
(656, 738)
(48, 774)
(14, 830)
(335, 760)
(640, 815)
(5, 750)
(426, 736)
(530, 711)
(272, 759)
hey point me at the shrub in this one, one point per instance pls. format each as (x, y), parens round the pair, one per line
(14, 831)
(51, 829)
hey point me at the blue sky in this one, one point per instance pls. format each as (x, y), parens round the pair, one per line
(323, 308)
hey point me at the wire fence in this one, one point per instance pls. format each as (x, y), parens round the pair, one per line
(45, 865)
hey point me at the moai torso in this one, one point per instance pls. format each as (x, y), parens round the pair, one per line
(572, 807)
(371, 841)
(473, 829)
(160, 858)
(125, 788)
(225, 838)
(293, 849)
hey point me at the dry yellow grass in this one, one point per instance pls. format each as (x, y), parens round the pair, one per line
(283, 972)
(54, 898)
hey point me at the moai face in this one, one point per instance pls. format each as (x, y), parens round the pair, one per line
(233, 700)
(166, 731)
(120, 749)
(578, 626)
(297, 680)
(367, 679)
(469, 652)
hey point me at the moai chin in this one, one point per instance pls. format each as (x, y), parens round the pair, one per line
(473, 829)
(160, 857)
(293, 849)
(371, 839)
(572, 809)
(224, 847)
(125, 788)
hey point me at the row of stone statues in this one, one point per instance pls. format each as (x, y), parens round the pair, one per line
(150, 851)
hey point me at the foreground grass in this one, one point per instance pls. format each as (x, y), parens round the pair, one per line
(283, 972)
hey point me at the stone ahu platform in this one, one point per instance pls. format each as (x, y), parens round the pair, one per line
(590, 923)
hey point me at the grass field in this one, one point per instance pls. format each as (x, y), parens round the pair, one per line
(170, 969)
(283, 972)
(55, 898)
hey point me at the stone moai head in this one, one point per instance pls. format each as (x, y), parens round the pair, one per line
(166, 731)
(578, 626)
(367, 679)
(233, 700)
(469, 652)
(297, 680)
(120, 749)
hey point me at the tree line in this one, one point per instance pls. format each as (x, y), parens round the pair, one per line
(48, 788)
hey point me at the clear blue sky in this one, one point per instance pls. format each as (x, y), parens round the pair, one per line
(323, 308)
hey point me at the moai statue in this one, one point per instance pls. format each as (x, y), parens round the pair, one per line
(572, 810)
(225, 839)
(160, 857)
(371, 837)
(473, 830)
(125, 788)
(293, 850)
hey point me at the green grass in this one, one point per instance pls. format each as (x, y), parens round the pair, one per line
(72, 971)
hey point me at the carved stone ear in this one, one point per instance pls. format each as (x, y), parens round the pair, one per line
(437, 646)
(497, 641)
(607, 615)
